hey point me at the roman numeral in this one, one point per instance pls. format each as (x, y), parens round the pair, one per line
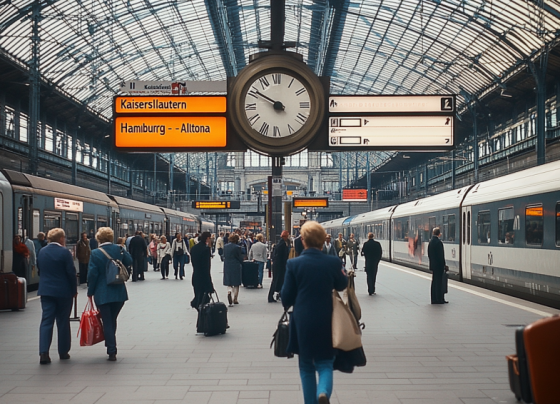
(291, 130)
(289, 85)
(264, 129)
(264, 82)
(251, 107)
(253, 120)
(300, 91)
(277, 78)
(304, 104)
(301, 118)
(276, 131)
(253, 92)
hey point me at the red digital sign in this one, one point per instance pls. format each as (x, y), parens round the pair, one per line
(354, 194)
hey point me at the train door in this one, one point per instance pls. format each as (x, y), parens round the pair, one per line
(2, 232)
(466, 242)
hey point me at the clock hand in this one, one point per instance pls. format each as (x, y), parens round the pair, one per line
(276, 104)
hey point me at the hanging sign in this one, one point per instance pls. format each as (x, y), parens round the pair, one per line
(68, 204)
(356, 195)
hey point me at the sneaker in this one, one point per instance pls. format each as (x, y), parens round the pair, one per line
(229, 299)
(259, 286)
(323, 399)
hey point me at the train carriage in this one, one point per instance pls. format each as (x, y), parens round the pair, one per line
(40, 204)
(138, 216)
(412, 225)
(512, 234)
(377, 222)
(180, 222)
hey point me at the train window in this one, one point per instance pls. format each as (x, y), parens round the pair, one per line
(506, 232)
(483, 225)
(88, 225)
(36, 223)
(464, 228)
(71, 224)
(398, 230)
(431, 226)
(450, 236)
(101, 222)
(558, 224)
(469, 227)
(130, 228)
(51, 220)
(534, 225)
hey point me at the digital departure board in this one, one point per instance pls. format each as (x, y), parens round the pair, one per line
(311, 202)
(216, 204)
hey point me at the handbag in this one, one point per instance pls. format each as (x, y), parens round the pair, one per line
(281, 336)
(292, 253)
(91, 327)
(115, 271)
(346, 333)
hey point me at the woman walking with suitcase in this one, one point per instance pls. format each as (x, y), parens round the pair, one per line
(233, 260)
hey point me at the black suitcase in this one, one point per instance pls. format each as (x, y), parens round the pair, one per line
(513, 374)
(212, 318)
(250, 274)
(523, 367)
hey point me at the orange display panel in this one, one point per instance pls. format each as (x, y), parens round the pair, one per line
(354, 194)
(311, 202)
(168, 132)
(215, 204)
(169, 105)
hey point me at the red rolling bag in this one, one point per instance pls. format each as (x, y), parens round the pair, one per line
(13, 291)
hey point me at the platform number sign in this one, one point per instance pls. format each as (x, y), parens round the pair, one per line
(447, 104)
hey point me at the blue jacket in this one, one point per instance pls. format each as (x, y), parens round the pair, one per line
(97, 280)
(310, 279)
(57, 272)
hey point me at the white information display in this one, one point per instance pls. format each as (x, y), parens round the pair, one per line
(68, 204)
(391, 103)
(400, 132)
(181, 87)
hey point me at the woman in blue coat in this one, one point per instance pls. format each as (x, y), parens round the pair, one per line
(109, 299)
(233, 260)
(310, 279)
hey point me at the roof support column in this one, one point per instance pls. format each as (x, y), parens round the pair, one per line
(74, 153)
(109, 172)
(154, 184)
(539, 74)
(453, 168)
(368, 181)
(35, 91)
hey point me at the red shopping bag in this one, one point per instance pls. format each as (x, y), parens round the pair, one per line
(91, 328)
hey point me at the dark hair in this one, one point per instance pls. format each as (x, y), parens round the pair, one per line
(203, 237)
(138, 232)
(83, 234)
(436, 231)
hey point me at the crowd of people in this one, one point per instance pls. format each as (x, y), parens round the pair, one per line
(304, 270)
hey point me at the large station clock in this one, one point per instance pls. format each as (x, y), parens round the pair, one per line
(276, 105)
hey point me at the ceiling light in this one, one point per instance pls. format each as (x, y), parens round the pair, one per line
(504, 94)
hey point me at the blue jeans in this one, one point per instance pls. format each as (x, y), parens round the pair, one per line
(312, 389)
(261, 271)
(55, 308)
(179, 261)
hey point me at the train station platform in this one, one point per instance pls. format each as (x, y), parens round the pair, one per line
(417, 353)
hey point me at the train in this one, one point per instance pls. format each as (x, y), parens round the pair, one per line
(502, 234)
(31, 204)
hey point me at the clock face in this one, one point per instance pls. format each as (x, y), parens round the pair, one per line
(277, 105)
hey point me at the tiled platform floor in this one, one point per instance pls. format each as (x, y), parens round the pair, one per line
(417, 353)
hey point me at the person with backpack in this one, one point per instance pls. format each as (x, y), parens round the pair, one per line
(180, 255)
(109, 299)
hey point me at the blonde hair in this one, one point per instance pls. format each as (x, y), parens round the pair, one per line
(54, 235)
(260, 237)
(313, 234)
(104, 235)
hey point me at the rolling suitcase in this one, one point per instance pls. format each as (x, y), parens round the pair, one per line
(543, 359)
(22, 293)
(212, 318)
(9, 291)
(250, 274)
(513, 373)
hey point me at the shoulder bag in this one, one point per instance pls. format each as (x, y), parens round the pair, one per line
(352, 299)
(115, 270)
(281, 336)
(346, 333)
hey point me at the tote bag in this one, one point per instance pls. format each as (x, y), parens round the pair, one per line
(346, 333)
(91, 327)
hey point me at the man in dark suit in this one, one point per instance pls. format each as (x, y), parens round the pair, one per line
(139, 251)
(436, 254)
(328, 247)
(279, 261)
(372, 252)
(57, 288)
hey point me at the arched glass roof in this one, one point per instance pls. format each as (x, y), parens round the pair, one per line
(88, 47)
